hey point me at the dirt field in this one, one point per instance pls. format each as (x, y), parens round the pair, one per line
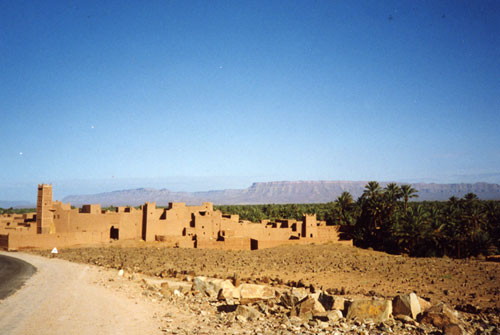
(345, 270)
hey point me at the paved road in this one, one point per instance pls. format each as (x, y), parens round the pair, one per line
(13, 273)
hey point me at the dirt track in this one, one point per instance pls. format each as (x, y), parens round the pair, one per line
(68, 298)
(341, 268)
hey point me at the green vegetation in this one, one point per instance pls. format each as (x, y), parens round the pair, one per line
(385, 219)
(109, 209)
(16, 210)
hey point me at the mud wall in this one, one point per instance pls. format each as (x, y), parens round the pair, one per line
(327, 233)
(49, 241)
(4, 241)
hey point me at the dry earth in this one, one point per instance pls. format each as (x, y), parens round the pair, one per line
(64, 298)
(70, 298)
(344, 270)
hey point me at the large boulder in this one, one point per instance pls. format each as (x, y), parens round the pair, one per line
(326, 300)
(249, 293)
(308, 308)
(424, 304)
(377, 310)
(214, 287)
(406, 304)
(291, 298)
(203, 285)
(439, 316)
(339, 303)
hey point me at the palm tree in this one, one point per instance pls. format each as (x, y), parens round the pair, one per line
(408, 192)
(344, 203)
(435, 235)
(453, 202)
(393, 192)
(470, 197)
(412, 229)
(372, 198)
(372, 190)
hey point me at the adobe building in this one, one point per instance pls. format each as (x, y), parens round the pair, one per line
(58, 225)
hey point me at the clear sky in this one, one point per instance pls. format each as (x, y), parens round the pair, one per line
(197, 95)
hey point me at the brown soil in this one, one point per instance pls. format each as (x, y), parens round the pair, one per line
(343, 269)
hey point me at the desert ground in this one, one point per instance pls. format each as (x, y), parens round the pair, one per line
(153, 293)
(340, 269)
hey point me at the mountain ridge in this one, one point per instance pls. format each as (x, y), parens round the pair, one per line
(278, 192)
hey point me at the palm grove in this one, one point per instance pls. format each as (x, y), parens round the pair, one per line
(385, 219)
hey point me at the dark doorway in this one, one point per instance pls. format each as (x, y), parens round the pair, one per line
(254, 244)
(114, 233)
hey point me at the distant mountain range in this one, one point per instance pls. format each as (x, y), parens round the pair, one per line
(16, 204)
(280, 192)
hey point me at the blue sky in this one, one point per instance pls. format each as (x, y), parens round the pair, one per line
(198, 95)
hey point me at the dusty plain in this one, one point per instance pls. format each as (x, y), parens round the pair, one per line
(345, 270)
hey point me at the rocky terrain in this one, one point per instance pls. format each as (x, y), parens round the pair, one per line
(276, 192)
(465, 293)
(219, 307)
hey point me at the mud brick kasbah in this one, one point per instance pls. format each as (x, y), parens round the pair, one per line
(56, 224)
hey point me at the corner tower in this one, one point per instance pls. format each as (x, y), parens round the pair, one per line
(44, 215)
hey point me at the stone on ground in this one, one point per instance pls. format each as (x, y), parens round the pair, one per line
(214, 287)
(291, 298)
(309, 307)
(334, 316)
(326, 300)
(439, 316)
(424, 304)
(247, 312)
(165, 289)
(376, 310)
(249, 293)
(406, 304)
